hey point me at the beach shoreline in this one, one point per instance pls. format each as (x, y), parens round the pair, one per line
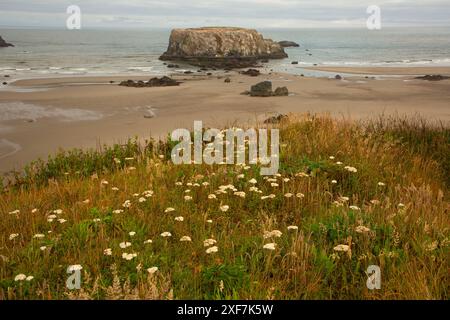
(46, 114)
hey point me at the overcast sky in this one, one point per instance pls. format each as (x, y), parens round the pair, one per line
(245, 13)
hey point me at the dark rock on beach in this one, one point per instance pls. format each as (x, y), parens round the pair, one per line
(154, 82)
(227, 80)
(288, 44)
(264, 89)
(4, 44)
(338, 77)
(294, 62)
(221, 47)
(251, 72)
(433, 77)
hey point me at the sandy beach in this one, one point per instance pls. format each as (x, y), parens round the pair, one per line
(43, 115)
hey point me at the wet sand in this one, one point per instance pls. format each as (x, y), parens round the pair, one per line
(386, 70)
(39, 116)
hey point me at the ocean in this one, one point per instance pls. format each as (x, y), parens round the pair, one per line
(42, 53)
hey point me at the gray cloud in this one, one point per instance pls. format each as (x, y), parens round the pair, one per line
(254, 13)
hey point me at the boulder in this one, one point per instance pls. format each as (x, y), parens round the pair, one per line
(227, 80)
(433, 77)
(221, 47)
(262, 89)
(294, 62)
(281, 92)
(251, 72)
(338, 77)
(288, 44)
(154, 82)
(4, 44)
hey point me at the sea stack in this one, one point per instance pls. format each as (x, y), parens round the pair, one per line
(4, 44)
(222, 47)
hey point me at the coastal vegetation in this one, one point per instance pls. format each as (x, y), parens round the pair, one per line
(348, 195)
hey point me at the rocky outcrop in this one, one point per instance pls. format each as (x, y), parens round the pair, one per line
(288, 44)
(154, 82)
(221, 47)
(4, 44)
(433, 77)
(264, 89)
(251, 72)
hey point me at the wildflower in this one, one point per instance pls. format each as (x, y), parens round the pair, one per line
(253, 181)
(38, 236)
(14, 212)
(274, 185)
(240, 194)
(300, 195)
(212, 197)
(117, 211)
(127, 204)
(339, 163)
(131, 168)
(355, 208)
(288, 195)
(286, 180)
(332, 158)
(104, 182)
(344, 199)
(209, 221)
(148, 193)
(342, 248)
(186, 239)
(129, 256)
(75, 267)
(12, 236)
(34, 210)
(179, 219)
(187, 191)
(270, 246)
(141, 200)
(20, 277)
(117, 161)
(179, 183)
(351, 169)
(152, 270)
(187, 198)
(401, 205)
(209, 242)
(135, 195)
(292, 228)
(115, 189)
(205, 184)
(334, 181)
(129, 159)
(61, 221)
(132, 234)
(432, 246)
(124, 245)
(212, 250)
(107, 252)
(224, 208)
(169, 210)
(362, 229)
(241, 176)
(166, 234)
(274, 233)
(149, 241)
(381, 184)
(86, 201)
(96, 220)
(161, 156)
(29, 278)
(375, 202)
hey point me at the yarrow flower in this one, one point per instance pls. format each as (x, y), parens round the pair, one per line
(118, 211)
(209, 242)
(166, 234)
(149, 241)
(152, 270)
(224, 208)
(351, 169)
(186, 239)
(342, 248)
(381, 184)
(38, 236)
(288, 195)
(169, 210)
(12, 236)
(20, 277)
(179, 219)
(270, 246)
(212, 197)
(132, 234)
(355, 208)
(107, 252)
(129, 256)
(253, 181)
(274, 233)
(212, 250)
(292, 228)
(127, 204)
(187, 198)
(125, 245)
